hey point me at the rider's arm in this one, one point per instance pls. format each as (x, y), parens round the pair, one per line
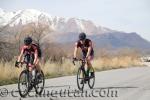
(89, 49)
(75, 50)
(20, 56)
(35, 56)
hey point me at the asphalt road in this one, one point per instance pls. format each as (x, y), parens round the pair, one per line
(119, 84)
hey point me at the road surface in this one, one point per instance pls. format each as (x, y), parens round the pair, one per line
(119, 84)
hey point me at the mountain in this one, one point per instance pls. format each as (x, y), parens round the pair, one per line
(66, 30)
(112, 39)
(56, 23)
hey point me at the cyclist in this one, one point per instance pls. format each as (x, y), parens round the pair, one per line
(30, 52)
(86, 46)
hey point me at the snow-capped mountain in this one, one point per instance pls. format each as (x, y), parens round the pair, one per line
(69, 29)
(56, 23)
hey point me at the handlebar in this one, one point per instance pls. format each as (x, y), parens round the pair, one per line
(22, 63)
(82, 60)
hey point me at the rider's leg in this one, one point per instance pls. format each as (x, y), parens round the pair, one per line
(38, 65)
(31, 73)
(89, 59)
(89, 64)
(39, 71)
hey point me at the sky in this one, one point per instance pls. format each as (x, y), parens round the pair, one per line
(121, 15)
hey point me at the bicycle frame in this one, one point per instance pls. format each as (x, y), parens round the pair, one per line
(83, 62)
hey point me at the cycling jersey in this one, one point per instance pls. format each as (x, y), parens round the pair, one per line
(31, 50)
(84, 47)
(29, 53)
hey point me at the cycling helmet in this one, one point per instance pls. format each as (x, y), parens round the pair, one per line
(82, 36)
(27, 40)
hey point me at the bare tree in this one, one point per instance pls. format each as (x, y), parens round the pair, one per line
(39, 30)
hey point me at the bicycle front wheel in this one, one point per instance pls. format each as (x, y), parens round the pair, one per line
(23, 83)
(80, 79)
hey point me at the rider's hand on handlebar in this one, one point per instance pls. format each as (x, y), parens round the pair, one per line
(17, 64)
(74, 59)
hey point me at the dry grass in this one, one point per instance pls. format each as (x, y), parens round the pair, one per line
(9, 74)
(56, 69)
(115, 63)
(8, 71)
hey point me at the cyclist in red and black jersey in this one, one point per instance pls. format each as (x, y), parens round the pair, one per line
(86, 46)
(30, 52)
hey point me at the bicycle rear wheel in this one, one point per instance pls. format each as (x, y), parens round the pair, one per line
(80, 79)
(23, 83)
(91, 80)
(39, 83)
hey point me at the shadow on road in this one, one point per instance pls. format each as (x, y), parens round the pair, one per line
(57, 86)
(116, 87)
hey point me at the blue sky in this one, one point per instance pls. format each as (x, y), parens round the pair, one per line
(122, 15)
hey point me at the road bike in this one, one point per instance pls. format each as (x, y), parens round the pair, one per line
(84, 76)
(26, 81)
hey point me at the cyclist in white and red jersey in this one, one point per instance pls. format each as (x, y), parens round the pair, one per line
(31, 53)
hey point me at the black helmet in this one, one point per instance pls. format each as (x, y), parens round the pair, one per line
(82, 36)
(27, 40)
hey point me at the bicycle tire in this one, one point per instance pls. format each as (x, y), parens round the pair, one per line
(43, 83)
(78, 77)
(93, 77)
(27, 83)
